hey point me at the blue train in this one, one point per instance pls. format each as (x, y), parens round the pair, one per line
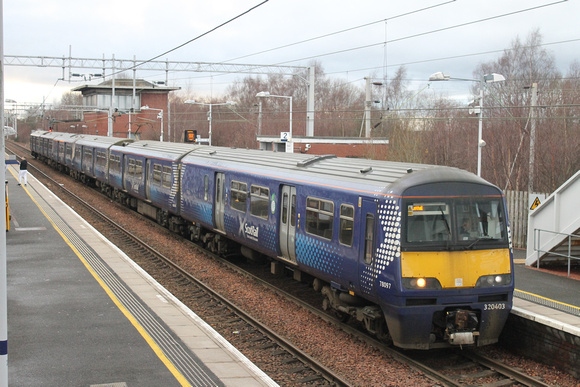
(418, 254)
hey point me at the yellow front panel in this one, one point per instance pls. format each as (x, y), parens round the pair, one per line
(455, 269)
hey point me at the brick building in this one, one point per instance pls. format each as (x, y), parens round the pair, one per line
(124, 117)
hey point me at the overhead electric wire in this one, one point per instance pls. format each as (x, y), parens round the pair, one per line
(194, 39)
(340, 32)
(425, 33)
(399, 39)
(457, 56)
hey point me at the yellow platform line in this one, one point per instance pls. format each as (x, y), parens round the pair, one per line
(549, 299)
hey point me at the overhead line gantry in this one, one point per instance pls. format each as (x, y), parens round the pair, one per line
(120, 65)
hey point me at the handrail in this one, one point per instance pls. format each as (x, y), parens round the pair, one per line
(539, 251)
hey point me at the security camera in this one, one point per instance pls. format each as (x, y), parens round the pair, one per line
(308, 146)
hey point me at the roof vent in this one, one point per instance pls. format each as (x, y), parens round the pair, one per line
(366, 170)
(212, 153)
(313, 160)
(410, 170)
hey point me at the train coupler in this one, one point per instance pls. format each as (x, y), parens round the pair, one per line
(461, 327)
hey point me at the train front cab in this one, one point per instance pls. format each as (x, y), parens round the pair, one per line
(456, 284)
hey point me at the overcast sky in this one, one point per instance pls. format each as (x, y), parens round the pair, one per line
(347, 37)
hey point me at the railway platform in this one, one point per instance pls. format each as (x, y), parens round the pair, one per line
(81, 313)
(546, 297)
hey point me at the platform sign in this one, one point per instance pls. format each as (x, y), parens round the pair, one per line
(285, 137)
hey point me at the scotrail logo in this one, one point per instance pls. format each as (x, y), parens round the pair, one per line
(251, 232)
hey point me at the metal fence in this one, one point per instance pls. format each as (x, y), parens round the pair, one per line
(569, 247)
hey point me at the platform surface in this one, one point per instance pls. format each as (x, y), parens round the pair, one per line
(81, 313)
(553, 300)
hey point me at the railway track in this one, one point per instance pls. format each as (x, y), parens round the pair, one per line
(294, 366)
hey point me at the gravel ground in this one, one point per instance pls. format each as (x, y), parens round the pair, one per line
(356, 361)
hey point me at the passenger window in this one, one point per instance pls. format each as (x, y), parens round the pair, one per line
(319, 217)
(293, 211)
(346, 224)
(167, 177)
(259, 201)
(131, 167)
(218, 194)
(285, 208)
(156, 174)
(239, 196)
(88, 160)
(369, 238)
(205, 187)
(139, 169)
(112, 164)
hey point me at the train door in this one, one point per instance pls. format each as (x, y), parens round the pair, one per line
(288, 223)
(367, 243)
(219, 201)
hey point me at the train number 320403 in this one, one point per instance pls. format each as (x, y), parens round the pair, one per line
(498, 306)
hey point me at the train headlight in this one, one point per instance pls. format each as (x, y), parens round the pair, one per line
(421, 283)
(488, 281)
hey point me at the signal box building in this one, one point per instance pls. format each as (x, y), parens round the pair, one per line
(116, 109)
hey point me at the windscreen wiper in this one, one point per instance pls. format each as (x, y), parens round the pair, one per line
(477, 240)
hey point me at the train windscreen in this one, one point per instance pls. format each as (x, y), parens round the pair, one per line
(461, 221)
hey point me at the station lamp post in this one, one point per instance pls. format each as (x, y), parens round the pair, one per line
(193, 102)
(266, 94)
(159, 115)
(488, 78)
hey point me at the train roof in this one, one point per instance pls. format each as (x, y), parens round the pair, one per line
(388, 177)
(38, 132)
(372, 172)
(163, 150)
(69, 137)
(101, 141)
(53, 135)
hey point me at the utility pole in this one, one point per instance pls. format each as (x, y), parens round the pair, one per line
(533, 104)
(368, 103)
(3, 258)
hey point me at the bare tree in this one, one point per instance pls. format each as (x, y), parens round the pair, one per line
(507, 109)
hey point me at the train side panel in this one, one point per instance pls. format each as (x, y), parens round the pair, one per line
(162, 177)
(197, 193)
(329, 237)
(134, 175)
(116, 169)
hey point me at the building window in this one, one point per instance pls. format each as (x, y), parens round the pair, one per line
(103, 101)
